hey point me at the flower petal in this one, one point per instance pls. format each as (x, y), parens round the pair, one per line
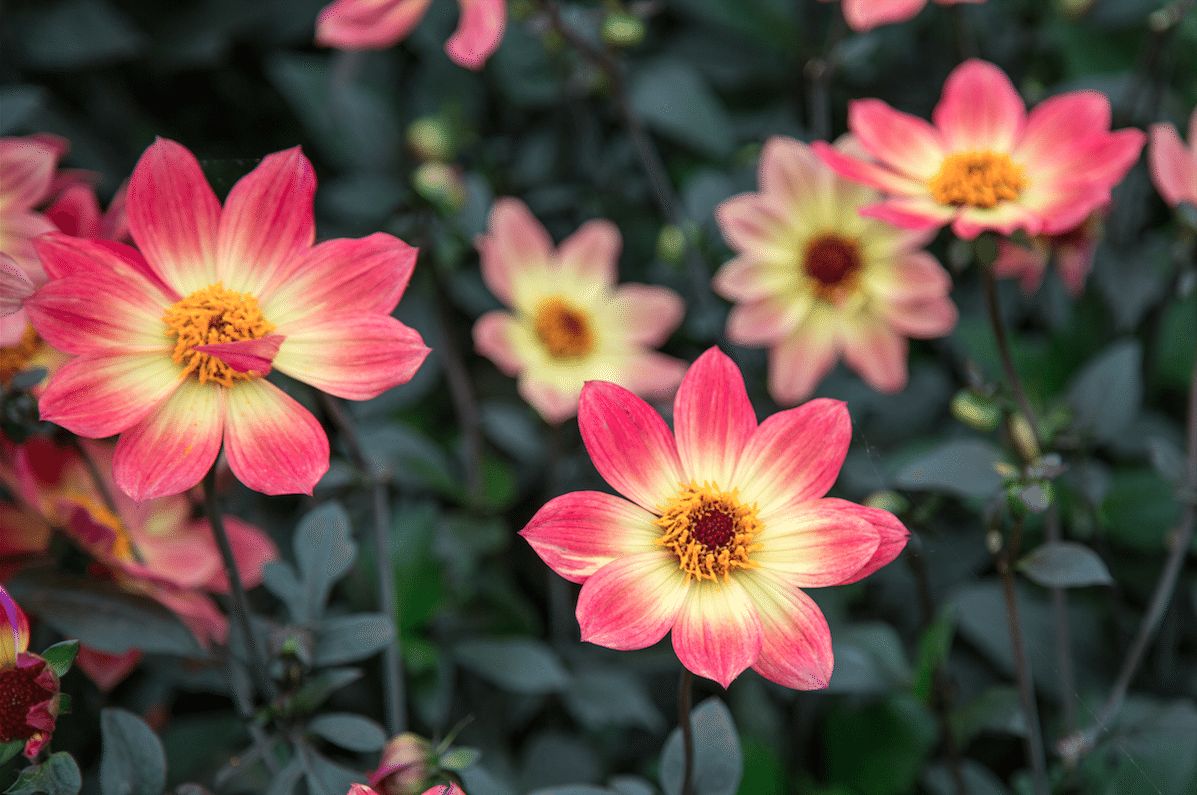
(878, 176)
(904, 142)
(862, 15)
(100, 394)
(713, 419)
(351, 355)
(630, 444)
(554, 403)
(368, 24)
(273, 444)
(591, 253)
(514, 241)
(979, 109)
(15, 286)
(918, 212)
(27, 169)
(246, 356)
(817, 543)
(478, 32)
(578, 533)
(796, 651)
(877, 352)
(892, 535)
(632, 601)
(252, 550)
(799, 362)
(493, 339)
(653, 375)
(67, 314)
(170, 450)
(1055, 128)
(647, 313)
(718, 633)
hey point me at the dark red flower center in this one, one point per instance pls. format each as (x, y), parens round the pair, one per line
(832, 261)
(709, 530)
(19, 691)
(713, 528)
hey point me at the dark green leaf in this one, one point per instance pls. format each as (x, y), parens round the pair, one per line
(933, 652)
(521, 665)
(410, 458)
(1152, 750)
(674, 99)
(718, 761)
(1065, 564)
(324, 551)
(80, 33)
(1168, 460)
(280, 579)
(60, 656)
(316, 690)
(133, 762)
(964, 467)
(326, 776)
(350, 638)
(881, 748)
(349, 731)
(9, 750)
(58, 775)
(612, 698)
(285, 781)
(514, 428)
(571, 789)
(868, 659)
(1106, 394)
(978, 780)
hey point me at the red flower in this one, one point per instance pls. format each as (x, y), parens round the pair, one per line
(28, 685)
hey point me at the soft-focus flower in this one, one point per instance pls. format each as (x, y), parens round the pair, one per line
(814, 280)
(862, 15)
(986, 164)
(379, 24)
(1072, 250)
(30, 700)
(15, 286)
(571, 323)
(172, 343)
(723, 526)
(1173, 165)
(27, 171)
(360, 789)
(403, 768)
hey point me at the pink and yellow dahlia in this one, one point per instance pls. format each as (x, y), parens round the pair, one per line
(172, 342)
(1173, 165)
(862, 15)
(1072, 251)
(986, 163)
(723, 525)
(813, 280)
(29, 685)
(571, 323)
(379, 24)
(27, 177)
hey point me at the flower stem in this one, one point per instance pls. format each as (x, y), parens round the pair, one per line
(240, 605)
(685, 694)
(1003, 346)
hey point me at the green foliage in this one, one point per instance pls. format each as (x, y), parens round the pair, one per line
(58, 775)
(133, 762)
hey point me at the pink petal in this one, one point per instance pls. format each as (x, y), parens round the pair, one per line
(632, 601)
(653, 375)
(67, 314)
(350, 354)
(107, 670)
(1005, 218)
(919, 212)
(788, 170)
(552, 402)
(246, 356)
(101, 394)
(368, 24)
(1018, 261)
(174, 216)
(15, 286)
(892, 533)
(170, 450)
(796, 651)
(1056, 127)
(592, 252)
(817, 543)
(478, 32)
(862, 15)
(64, 256)
(267, 223)
(76, 212)
(718, 633)
(18, 231)
(928, 318)
(647, 313)
(492, 339)
(273, 444)
(14, 630)
(979, 109)
(578, 533)
(795, 455)
(798, 363)
(27, 169)
(746, 279)
(877, 353)
(901, 141)
(767, 320)
(630, 444)
(857, 170)
(252, 550)
(515, 241)
(911, 276)
(757, 226)
(713, 419)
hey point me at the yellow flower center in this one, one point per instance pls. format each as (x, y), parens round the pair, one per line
(14, 357)
(563, 328)
(212, 315)
(833, 262)
(121, 545)
(978, 179)
(709, 530)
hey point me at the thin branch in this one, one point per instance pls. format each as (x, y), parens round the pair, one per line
(1003, 346)
(685, 694)
(465, 403)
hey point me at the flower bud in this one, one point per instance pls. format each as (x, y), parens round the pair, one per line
(430, 138)
(887, 500)
(975, 410)
(622, 30)
(29, 684)
(405, 767)
(671, 244)
(1022, 435)
(440, 184)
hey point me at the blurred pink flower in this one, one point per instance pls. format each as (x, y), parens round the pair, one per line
(814, 280)
(171, 342)
(27, 179)
(404, 766)
(723, 526)
(862, 15)
(29, 685)
(1072, 250)
(379, 24)
(986, 164)
(1173, 165)
(571, 323)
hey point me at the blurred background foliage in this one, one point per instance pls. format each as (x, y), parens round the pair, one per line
(404, 141)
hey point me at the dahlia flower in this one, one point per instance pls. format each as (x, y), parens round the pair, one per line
(30, 686)
(862, 15)
(723, 525)
(1072, 251)
(814, 280)
(571, 323)
(172, 343)
(986, 163)
(379, 24)
(27, 170)
(1173, 165)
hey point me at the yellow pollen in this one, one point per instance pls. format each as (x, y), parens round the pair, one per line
(212, 315)
(709, 530)
(563, 328)
(14, 357)
(977, 179)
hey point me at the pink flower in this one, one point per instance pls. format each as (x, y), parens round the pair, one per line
(986, 164)
(172, 342)
(27, 170)
(15, 286)
(404, 767)
(30, 702)
(860, 288)
(1072, 250)
(570, 323)
(1173, 165)
(724, 523)
(379, 24)
(862, 15)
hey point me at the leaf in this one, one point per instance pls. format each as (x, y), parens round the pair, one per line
(80, 33)
(280, 579)
(868, 659)
(60, 656)
(133, 762)
(674, 99)
(612, 698)
(410, 458)
(718, 762)
(284, 781)
(1152, 750)
(520, 665)
(933, 652)
(58, 775)
(350, 638)
(1107, 392)
(964, 467)
(513, 428)
(978, 780)
(1065, 564)
(326, 776)
(9, 750)
(349, 731)
(324, 552)
(879, 749)
(316, 690)
(1168, 460)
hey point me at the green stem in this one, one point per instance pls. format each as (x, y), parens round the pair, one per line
(685, 694)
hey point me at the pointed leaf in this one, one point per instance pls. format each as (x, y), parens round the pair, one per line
(58, 775)
(133, 762)
(1065, 564)
(60, 656)
(1107, 392)
(351, 638)
(964, 467)
(718, 763)
(349, 731)
(324, 551)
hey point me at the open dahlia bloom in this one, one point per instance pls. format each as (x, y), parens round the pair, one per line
(723, 525)
(1173, 165)
(862, 15)
(379, 24)
(172, 343)
(27, 179)
(570, 322)
(985, 163)
(29, 685)
(814, 280)
(1072, 251)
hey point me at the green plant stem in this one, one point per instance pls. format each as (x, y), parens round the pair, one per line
(994, 308)
(685, 695)
(240, 604)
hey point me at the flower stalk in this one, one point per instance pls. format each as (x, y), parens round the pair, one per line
(685, 696)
